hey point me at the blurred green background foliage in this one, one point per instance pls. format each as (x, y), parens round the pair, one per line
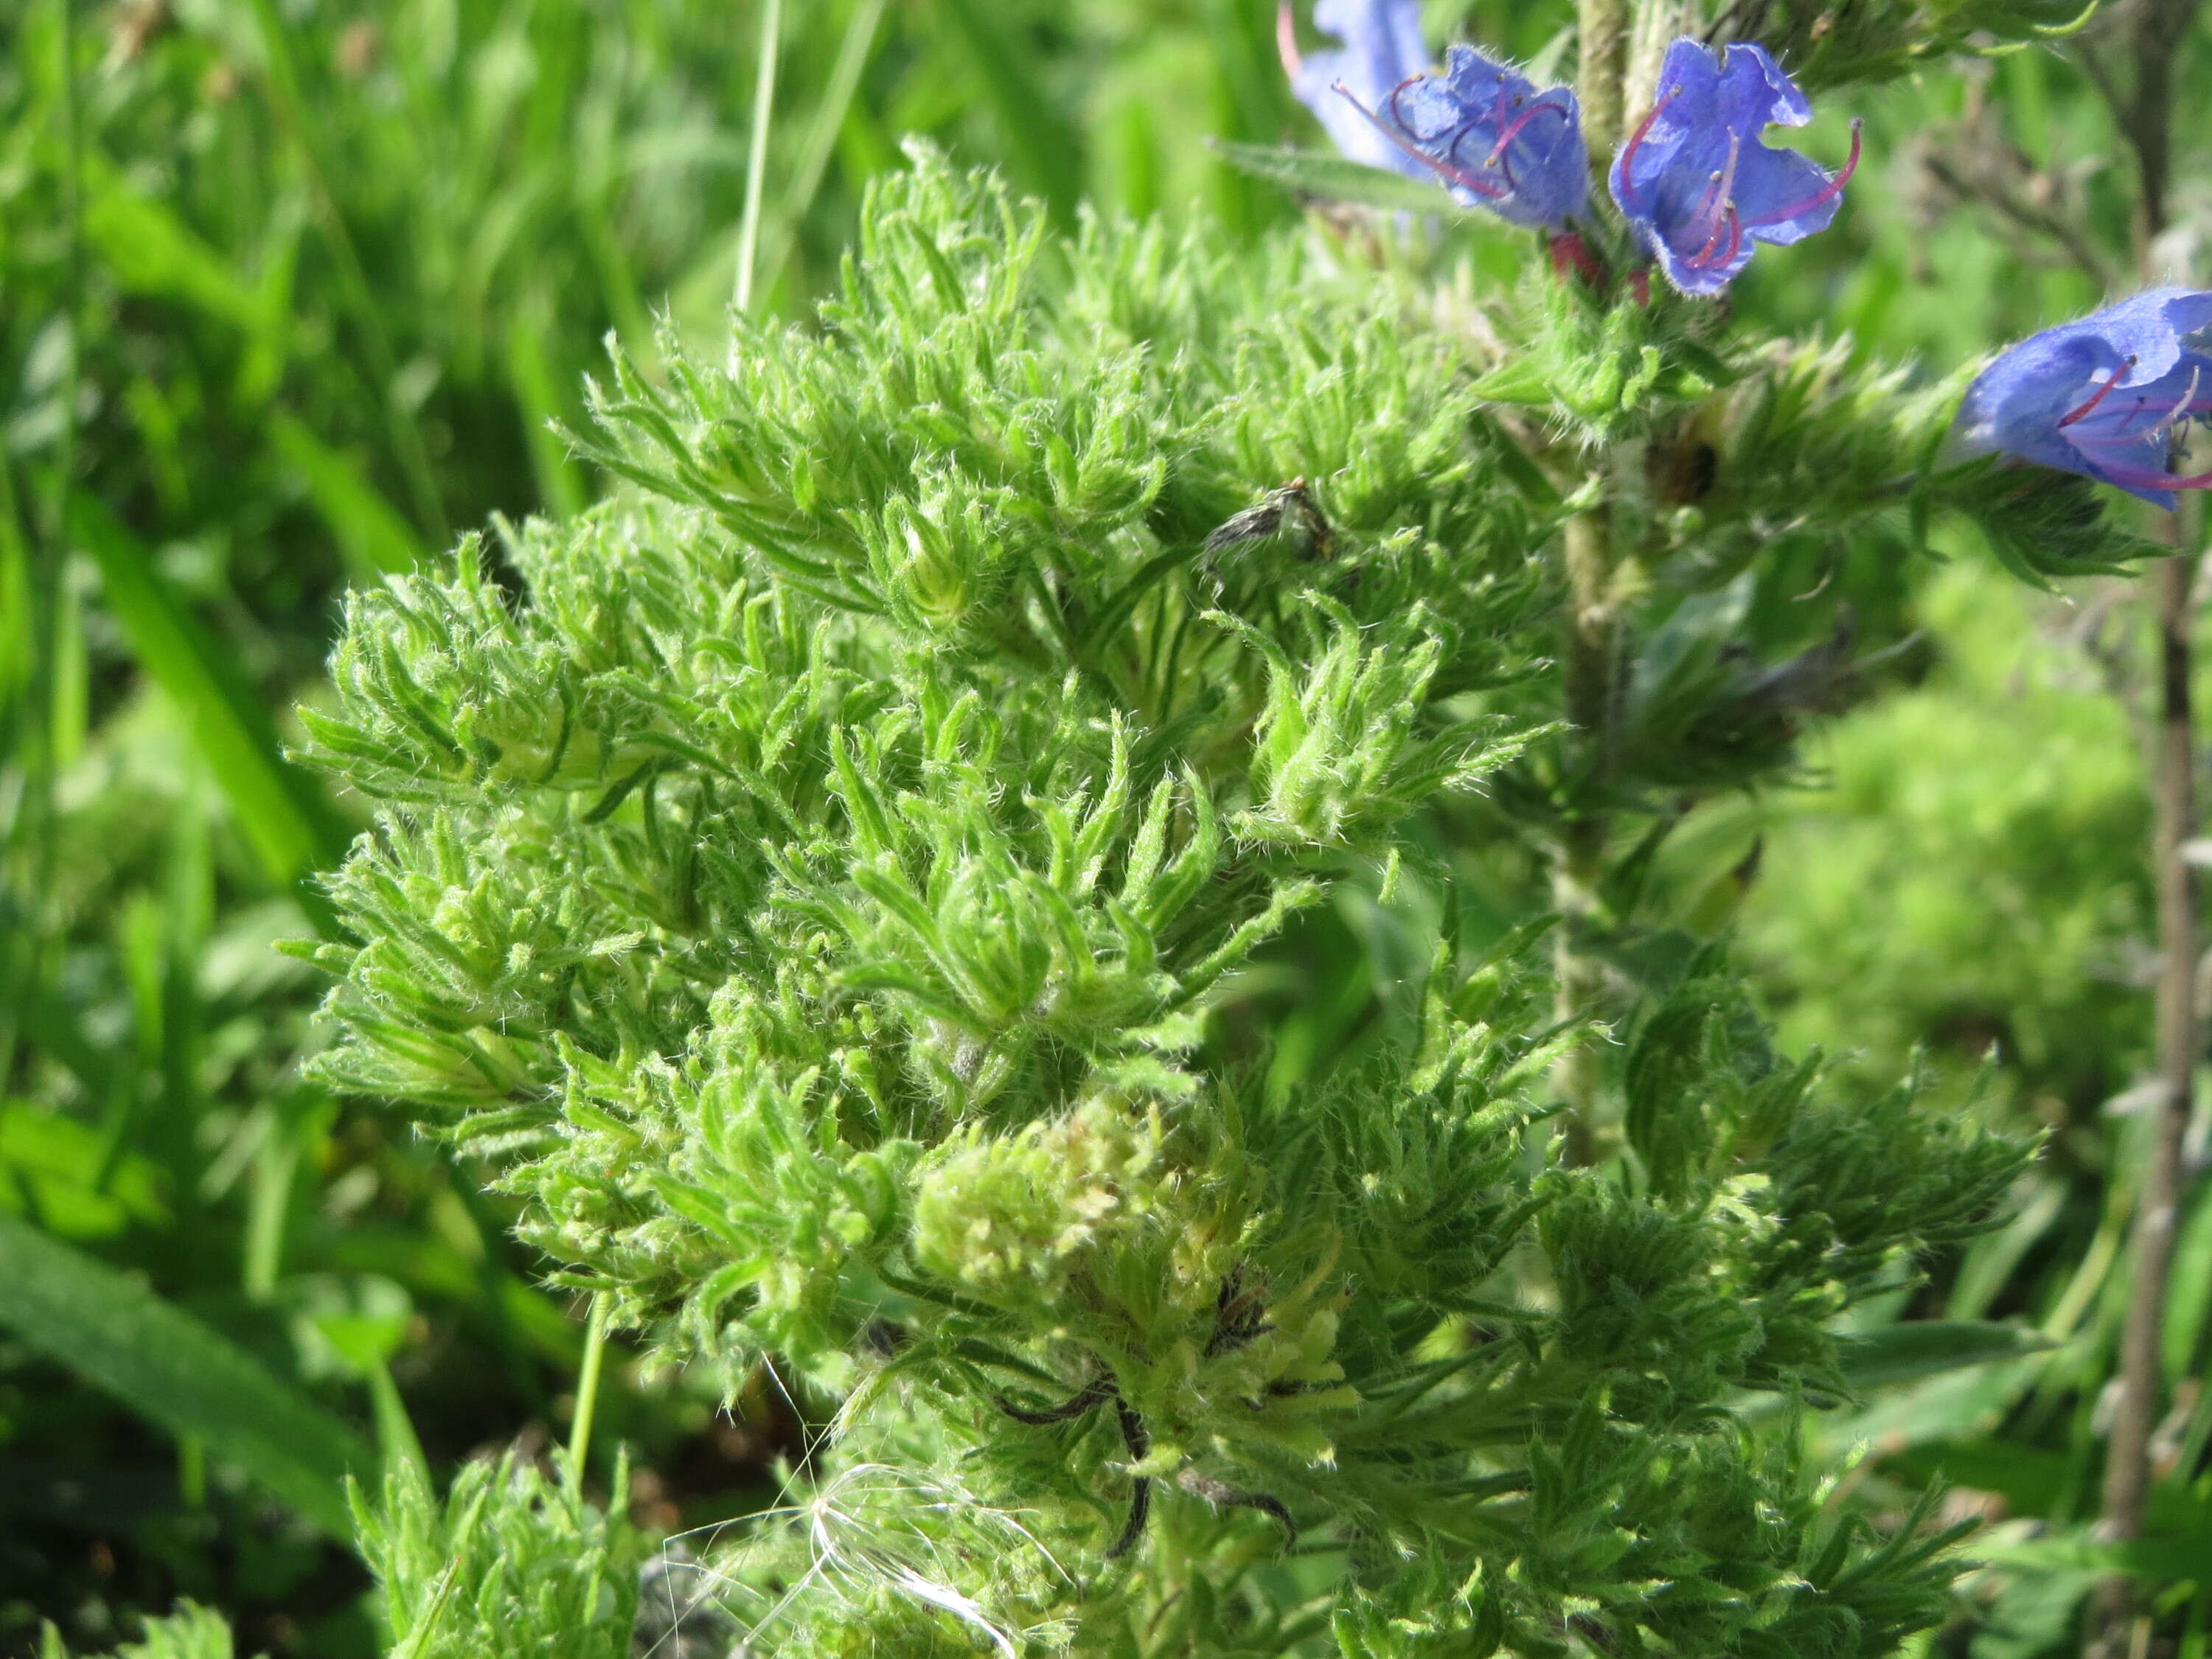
(291, 294)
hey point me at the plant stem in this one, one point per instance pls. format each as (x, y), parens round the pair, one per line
(853, 56)
(756, 159)
(2135, 1413)
(1589, 670)
(1603, 26)
(1588, 656)
(587, 1387)
(2158, 29)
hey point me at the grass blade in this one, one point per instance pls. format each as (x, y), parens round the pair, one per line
(1042, 151)
(771, 44)
(291, 827)
(371, 534)
(532, 339)
(175, 1370)
(821, 140)
(281, 82)
(1903, 1353)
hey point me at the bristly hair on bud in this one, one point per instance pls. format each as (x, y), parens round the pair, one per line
(1699, 186)
(2103, 395)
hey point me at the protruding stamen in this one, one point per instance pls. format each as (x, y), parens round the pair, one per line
(1396, 93)
(1827, 192)
(1497, 156)
(1451, 146)
(1457, 175)
(1717, 200)
(2096, 397)
(1705, 254)
(2117, 438)
(2180, 409)
(1286, 41)
(1626, 162)
(2147, 477)
(1704, 258)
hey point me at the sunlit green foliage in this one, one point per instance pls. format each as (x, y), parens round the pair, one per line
(513, 1562)
(812, 888)
(1826, 43)
(511, 182)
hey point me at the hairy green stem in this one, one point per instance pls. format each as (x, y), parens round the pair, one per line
(1604, 27)
(1657, 25)
(1588, 660)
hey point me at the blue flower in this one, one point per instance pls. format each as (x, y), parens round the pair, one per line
(1491, 137)
(1382, 50)
(2102, 396)
(1699, 187)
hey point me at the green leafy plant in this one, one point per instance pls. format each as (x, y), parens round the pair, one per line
(816, 893)
(191, 345)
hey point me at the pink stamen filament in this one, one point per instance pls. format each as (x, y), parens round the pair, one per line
(2145, 477)
(1396, 93)
(1704, 258)
(1628, 161)
(1497, 157)
(1451, 146)
(1458, 176)
(1717, 199)
(2096, 397)
(1286, 41)
(1827, 192)
(2188, 398)
(2120, 440)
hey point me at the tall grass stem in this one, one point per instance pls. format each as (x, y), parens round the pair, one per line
(587, 1388)
(822, 133)
(757, 153)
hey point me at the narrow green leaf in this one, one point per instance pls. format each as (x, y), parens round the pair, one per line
(2153, 1559)
(531, 344)
(2187, 1297)
(374, 537)
(149, 250)
(2033, 1479)
(1901, 1353)
(819, 141)
(176, 1371)
(771, 48)
(285, 818)
(1042, 151)
(1514, 381)
(1308, 172)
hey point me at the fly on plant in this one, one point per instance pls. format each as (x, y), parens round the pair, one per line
(1290, 508)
